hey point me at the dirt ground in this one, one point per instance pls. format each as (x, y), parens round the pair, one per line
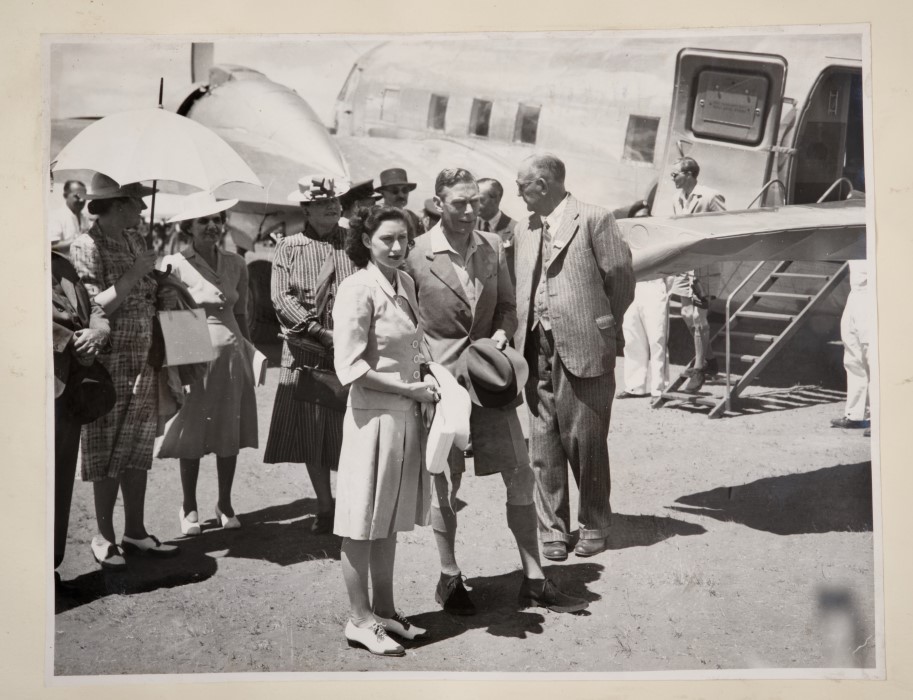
(740, 543)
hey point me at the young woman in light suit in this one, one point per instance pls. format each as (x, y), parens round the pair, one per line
(382, 486)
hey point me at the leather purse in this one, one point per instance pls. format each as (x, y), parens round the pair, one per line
(320, 386)
(90, 392)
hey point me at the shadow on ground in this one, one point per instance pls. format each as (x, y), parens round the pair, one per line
(279, 534)
(833, 499)
(766, 401)
(646, 530)
(143, 574)
(498, 611)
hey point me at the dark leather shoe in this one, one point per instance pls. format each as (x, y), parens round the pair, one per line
(587, 548)
(545, 594)
(323, 522)
(844, 422)
(695, 380)
(554, 551)
(452, 595)
(630, 395)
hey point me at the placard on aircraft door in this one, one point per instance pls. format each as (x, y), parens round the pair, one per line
(725, 114)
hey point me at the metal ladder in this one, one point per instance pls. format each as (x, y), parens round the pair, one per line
(771, 341)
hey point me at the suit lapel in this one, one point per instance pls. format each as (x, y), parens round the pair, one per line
(442, 268)
(568, 228)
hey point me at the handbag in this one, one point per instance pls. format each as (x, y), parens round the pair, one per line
(185, 335)
(320, 386)
(90, 392)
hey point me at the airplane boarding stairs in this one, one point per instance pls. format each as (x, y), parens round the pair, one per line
(760, 328)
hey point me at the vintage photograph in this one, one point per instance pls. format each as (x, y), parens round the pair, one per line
(509, 353)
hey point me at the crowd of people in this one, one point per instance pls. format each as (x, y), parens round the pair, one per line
(369, 296)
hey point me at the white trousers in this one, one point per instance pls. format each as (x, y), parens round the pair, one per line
(646, 331)
(854, 332)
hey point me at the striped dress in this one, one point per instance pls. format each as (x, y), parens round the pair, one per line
(301, 431)
(123, 438)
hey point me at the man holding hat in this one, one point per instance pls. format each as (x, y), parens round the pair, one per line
(466, 302)
(574, 282)
(395, 187)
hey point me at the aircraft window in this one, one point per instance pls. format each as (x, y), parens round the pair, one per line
(437, 112)
(730, 106)
(527, 123)
(640, 141)
(480, 117)
(390, 105)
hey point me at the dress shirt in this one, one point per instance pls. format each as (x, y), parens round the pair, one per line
(464, 268)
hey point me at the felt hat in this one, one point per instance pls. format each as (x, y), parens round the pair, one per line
(201, 204)
(394, 177)
(319, 188)
(494, 377)
(103, 187)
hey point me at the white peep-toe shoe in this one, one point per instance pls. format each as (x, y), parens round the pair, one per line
(189, 527)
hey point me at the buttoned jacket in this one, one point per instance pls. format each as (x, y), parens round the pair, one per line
(372, 332)
(589, 283)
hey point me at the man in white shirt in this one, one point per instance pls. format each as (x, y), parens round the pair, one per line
(67, 222)
(692, 198)
(855, 332)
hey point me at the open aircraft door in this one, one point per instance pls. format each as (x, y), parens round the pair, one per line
(725, 114)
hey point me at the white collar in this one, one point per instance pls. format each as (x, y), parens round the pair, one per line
(554, 219)
(440, 244)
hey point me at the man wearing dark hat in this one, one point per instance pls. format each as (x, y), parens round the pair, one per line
(395, 188)
(466, 302)
(574, 282)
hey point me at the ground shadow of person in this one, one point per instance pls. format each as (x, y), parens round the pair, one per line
(143, 574)
(832, 499)
(498, 611)
(280, 534)
(646, 530)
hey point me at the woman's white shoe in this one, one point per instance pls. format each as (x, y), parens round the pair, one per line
(227, 523)
(400, 626)
(372, 638)
(188, 526)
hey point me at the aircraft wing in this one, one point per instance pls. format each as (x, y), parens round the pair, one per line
(668, 245)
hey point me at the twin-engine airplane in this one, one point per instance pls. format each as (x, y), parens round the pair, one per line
(774, 119)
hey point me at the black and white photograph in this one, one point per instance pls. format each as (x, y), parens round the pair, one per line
(502, 355)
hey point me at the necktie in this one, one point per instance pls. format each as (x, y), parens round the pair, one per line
(546, 242)
(486, 227)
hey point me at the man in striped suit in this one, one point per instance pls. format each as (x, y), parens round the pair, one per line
(574, 282)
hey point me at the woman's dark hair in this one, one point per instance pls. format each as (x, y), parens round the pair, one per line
(100, 207)
(367, 221)
(187, 223)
